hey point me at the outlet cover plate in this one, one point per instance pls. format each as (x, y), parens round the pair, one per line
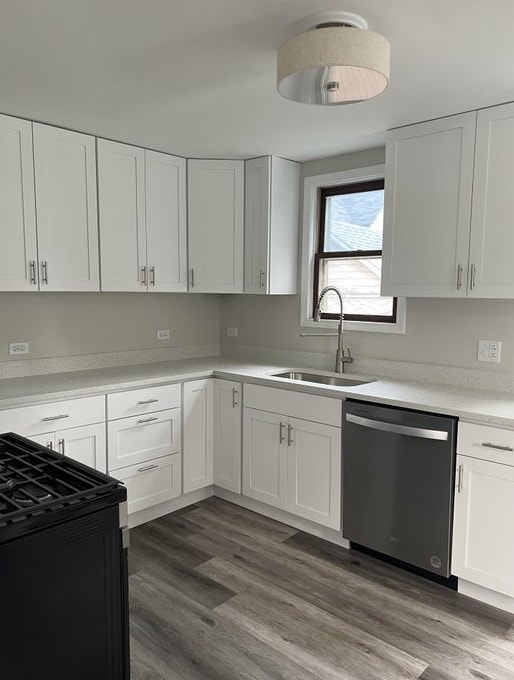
(489, 350)
(232, 332)
(16, 348)
(163, 334)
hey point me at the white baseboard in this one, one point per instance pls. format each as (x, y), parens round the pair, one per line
(147, 515)
(282, 516)
(498, 600)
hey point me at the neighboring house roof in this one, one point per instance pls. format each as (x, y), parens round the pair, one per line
(347, 236)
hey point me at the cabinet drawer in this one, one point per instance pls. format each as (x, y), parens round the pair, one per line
(153, 482)
(145, 400)
(486, 443)
(32, 420)
(295, 404)
(143, 438)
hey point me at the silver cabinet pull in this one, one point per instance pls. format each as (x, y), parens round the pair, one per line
(59, 417)
(142, 421)
(50, 445)
(152, 276)
(148, 467)
(148, 401)
(459, 478)
(393, 428)
(32, 265)
(262, 281)
(472, 272)
(290, 439)
(500, 447)
(192, 278)
(235, 400)
(61, 446)
(459, 277)
(282, 436)
(44, 271)
(143, 275)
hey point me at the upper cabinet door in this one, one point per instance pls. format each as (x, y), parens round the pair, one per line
(121, 195)
(66, 208)
(427, 215)
(18, 249)
(166, 222)
(492, 232)
(272, 187)
(215, 201)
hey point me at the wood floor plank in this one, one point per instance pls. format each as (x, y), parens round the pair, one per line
(292, 599)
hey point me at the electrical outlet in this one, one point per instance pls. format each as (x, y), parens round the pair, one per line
(16, 348)
(163, 334)
(489, 350)
(231, 332)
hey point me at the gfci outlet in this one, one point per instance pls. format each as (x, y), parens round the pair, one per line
(489, 350)
(163, 334)
(16, 348)
(231, 331)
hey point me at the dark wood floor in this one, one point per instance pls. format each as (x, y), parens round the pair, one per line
(220, 593)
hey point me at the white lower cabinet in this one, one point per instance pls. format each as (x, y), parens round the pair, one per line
(314, 472)
(264, 457)
(152, 482)
(293, 464)
(227, 435)
(198, 407)
(85, 444)
(483, 549)
(139, 439)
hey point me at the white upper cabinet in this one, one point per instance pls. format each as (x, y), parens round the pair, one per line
(18, 249)
(216, 221)
(271, 225)
(121, 196)
(166, 222)
(142, 198)
(66, 209)
(492, 232)
(429, 176)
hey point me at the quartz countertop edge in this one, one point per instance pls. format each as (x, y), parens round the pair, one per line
(469, 404)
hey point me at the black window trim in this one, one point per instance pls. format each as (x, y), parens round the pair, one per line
(320, 254)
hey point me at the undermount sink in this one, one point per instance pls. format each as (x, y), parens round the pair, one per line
(322, 379)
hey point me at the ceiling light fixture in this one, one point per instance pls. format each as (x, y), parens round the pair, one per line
(333, 59)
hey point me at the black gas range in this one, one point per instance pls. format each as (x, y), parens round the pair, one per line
(63, 567)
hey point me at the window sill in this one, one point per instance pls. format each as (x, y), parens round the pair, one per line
(369, 326)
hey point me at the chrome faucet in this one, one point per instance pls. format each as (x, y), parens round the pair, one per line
(342, 357)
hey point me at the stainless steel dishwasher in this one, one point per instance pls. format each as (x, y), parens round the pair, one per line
(398, 480)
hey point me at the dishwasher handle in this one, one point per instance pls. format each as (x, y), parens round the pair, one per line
(393, 428)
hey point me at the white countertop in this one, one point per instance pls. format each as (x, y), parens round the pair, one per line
(494, 408)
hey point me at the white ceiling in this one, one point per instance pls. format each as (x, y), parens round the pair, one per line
(197, 77)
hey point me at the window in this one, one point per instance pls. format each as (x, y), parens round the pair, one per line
(349, 252)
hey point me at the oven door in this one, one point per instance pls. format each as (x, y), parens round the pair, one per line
(63, 602)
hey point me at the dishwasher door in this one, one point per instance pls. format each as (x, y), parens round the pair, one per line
(398, 480)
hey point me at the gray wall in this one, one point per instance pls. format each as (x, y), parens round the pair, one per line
(440, 331)
(64, 324)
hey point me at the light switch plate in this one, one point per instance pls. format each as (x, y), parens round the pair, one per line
(489, 350)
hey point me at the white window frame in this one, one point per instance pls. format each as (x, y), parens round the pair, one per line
(311, 188)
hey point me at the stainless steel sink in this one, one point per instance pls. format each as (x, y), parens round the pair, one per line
(339, 381)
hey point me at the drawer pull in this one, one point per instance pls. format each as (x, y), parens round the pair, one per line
(489, 445)
(148, 401)
(59, 417)
(148, 467)
(142, 421)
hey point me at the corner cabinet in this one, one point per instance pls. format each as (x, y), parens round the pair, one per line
(198, 431)
(18, 245)
(66, 209)
(448, 207)
(215, 225)
(271, 225)
(227, 434)
(142, 207)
